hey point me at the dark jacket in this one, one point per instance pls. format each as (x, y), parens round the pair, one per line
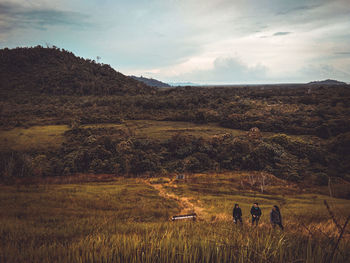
(255, 211)
(237, 212)
(275, 217)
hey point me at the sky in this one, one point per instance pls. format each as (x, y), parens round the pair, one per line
(199, 41)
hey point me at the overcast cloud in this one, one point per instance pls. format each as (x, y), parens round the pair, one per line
(202, 41)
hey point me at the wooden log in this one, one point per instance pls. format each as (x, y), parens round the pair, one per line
(189, 216)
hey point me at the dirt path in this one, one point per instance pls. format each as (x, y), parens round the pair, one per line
(188, 205)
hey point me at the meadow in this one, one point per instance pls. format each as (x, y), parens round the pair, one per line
(117, 219)
(51, 136)
(33, 138)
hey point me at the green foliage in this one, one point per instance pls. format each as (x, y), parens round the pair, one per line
(118, 125)
(117, 149)
(15, 164)
(322, 179)
(270, 108)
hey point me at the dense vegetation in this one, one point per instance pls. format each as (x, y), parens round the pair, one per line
(48, 86)
(54, 71)
(313, 110)
(115, 151)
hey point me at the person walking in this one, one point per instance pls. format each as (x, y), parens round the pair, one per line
(237, 214)
(255, 211)
(275, 217)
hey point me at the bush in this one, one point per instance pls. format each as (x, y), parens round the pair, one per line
(15, 164)
(321, 179)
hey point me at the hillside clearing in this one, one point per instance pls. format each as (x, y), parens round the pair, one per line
(33, 138)
(52, 136)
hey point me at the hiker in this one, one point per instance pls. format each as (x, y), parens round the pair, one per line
(256, 213)
(275, 217)
(237, 214)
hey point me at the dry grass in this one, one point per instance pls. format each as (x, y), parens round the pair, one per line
(127, 220)
(51, 136)
(33, 138)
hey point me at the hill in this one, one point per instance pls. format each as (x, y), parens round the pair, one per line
(328, 82)
(151, 82)
(181, 84)
(56, 71)
(49, 127)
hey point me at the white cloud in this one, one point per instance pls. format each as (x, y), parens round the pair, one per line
(224, 70)
(324, 71)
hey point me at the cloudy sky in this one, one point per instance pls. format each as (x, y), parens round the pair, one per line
(200, 41)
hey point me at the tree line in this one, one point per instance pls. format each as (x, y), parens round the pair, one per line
(115, 151)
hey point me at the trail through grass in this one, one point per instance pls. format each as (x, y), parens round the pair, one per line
(127, 220)
(186, 204)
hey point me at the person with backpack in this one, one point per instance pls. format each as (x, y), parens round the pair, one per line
(255, 211)
(275, 217)
(237, 214)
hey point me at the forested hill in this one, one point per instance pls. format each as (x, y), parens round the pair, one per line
(151, 82)
(56, 71)
(327, 82)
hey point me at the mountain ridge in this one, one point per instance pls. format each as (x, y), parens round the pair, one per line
(328, 82)
(151, 82)
(60, 72)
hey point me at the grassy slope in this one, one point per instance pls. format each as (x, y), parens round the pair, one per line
(44, 219)
(217, 193)
(127, 221)
(33, 138)
(51, 136)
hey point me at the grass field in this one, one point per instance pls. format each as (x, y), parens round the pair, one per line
(127, 220)
(33, 138)
(166, 129)
(51, 136)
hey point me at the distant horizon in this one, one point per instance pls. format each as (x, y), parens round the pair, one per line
(187, 83)
(250, 84)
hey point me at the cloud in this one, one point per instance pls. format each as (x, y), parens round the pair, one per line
(324, 71)
(14, 16)
(227, 70)
(344, 53)
(281, 33)
(276, 34)
(190, 40)
(298, 9)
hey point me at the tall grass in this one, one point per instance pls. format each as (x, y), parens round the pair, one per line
(169, 242)
(127, 221)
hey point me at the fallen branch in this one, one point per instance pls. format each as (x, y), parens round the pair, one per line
(339, 238)
(332, 216)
